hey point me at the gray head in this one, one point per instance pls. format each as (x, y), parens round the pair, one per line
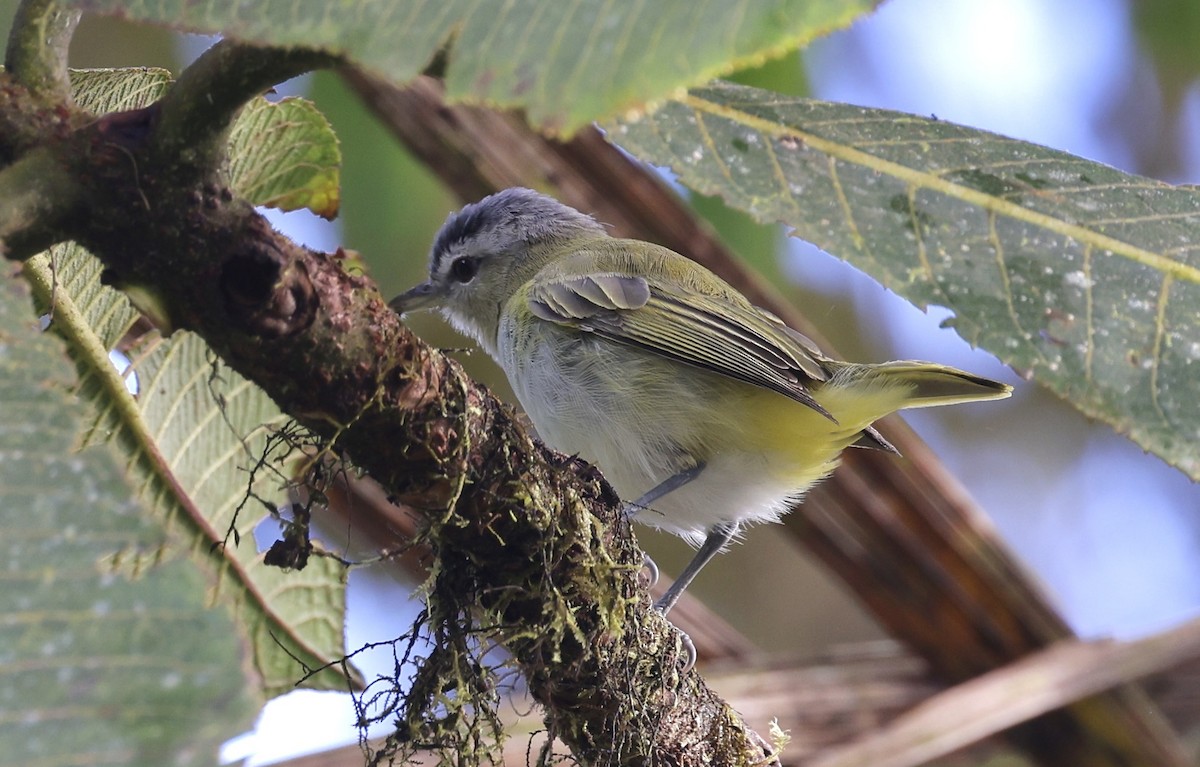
(485, 251)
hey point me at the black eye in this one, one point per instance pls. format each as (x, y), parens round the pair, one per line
(464, 269)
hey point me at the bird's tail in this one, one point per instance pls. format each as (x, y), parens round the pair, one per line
(929, 384)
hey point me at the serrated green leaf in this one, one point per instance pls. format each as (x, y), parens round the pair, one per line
(98, 668)
(190, 437)
(284, 155)
(1084, 276)
(111, 90)
(566, 62)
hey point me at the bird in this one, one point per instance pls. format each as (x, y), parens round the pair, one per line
(704, 412)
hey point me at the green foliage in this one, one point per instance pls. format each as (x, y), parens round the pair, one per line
(1168, 30)
(392, 204)
(1078, 274)
(281, 155)
(284, 155)
(113, 668)
(102, 90)
(190, 438)
(565, 63)
(1075, 272)
(110, 647)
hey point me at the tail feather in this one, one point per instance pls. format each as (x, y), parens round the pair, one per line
(930, 384)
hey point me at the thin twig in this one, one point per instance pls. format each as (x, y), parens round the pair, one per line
(195, 115)
(36, 55)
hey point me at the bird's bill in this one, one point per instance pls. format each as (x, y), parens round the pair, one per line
(417, 297)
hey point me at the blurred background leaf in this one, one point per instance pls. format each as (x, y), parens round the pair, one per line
(1112, 532)
(565, 63)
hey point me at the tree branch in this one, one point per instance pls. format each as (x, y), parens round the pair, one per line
(36, 55)
(35, 196)
(196, 114)
(1052, 678)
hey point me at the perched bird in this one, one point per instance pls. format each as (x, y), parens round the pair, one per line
(706, 413)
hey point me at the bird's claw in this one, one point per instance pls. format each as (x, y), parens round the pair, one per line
(652, 571)
(689, 647)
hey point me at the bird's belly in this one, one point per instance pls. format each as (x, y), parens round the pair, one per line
(642, 421)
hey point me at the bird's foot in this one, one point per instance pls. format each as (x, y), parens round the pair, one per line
(689, 647)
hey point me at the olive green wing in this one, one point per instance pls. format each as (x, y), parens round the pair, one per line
(711, 333)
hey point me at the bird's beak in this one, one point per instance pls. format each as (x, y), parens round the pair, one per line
(420, 296)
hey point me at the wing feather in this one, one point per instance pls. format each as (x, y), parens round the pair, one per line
(709, 332)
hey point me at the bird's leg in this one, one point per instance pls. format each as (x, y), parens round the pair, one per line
(652, 571)
(718, 535)
(670, 484)
(673, 482)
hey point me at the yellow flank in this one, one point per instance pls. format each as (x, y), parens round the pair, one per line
(803, 444)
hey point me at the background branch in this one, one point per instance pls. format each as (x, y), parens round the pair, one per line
(522, 534)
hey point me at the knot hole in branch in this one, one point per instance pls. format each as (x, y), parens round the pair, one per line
(267, 292)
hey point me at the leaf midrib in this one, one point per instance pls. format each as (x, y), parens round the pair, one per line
(918, 179)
